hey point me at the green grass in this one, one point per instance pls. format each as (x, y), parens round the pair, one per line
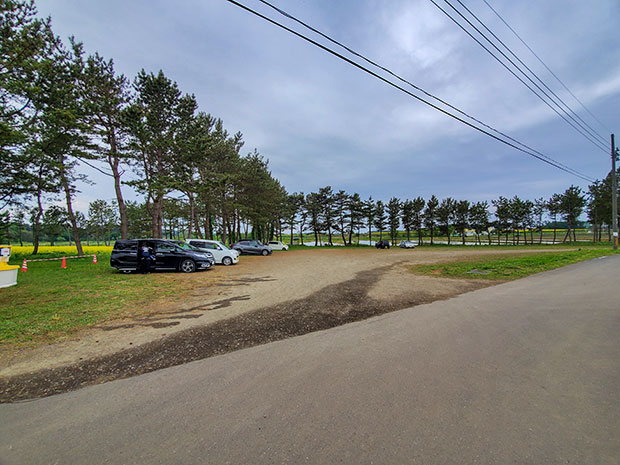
(509, 267)
(49, 302)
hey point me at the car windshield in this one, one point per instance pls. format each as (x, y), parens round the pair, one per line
(185, 246)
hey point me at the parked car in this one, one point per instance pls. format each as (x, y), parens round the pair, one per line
(277, 245)
(168, 255)
(406, 244)
(251, 246)
(383, 245)
(223, 255)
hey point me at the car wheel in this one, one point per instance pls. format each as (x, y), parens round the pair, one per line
(265, 252)
(226, 261)
(187, 266)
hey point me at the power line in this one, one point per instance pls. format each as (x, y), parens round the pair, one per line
(591, 131)
(544, 159)
(94, 167)
(287, 15)
(548, 69)
(596, 143)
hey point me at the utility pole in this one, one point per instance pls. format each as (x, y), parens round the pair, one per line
(614, 193)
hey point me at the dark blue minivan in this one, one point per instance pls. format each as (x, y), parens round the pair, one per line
(168, 255)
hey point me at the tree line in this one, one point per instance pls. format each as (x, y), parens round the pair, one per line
(345, 217)
(339, 214)
(61, 110)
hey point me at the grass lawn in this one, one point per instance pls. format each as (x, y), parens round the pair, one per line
(49, 303)
(503, 267)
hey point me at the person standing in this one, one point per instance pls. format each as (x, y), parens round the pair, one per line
(146, 256)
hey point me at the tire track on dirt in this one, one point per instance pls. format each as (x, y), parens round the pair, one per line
(331, 306)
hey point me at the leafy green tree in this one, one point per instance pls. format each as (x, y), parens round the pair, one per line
(430, 215)
(63, 137)
(380, 217)
(503, 216)
(369, 214)
(5, 223)
(43, 183)
(520, 213)
(538, 212)
(554, 209)
(227, 185)
(303, 217)
(175, 217)
(599, 206)
(393, 208)
(153, 121)
(462, 211)
(55, 222)
(407, 217)
(479, 219)
(106, 96)
(294, 206)
(356, 209)
(328, 211)
(19, 223)
(595, 208)
(261, 195)
(101, 220)
(343, 214)
(138, 220)
(417, 208)
(26, 45)
(572, 203)
(314, 208)
(445, 215)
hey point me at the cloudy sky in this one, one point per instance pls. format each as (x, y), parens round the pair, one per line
(320, 121)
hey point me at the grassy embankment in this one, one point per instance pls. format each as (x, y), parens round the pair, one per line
(509, 267)
(50, 303)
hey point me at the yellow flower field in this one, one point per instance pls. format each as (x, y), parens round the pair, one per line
(88, 250)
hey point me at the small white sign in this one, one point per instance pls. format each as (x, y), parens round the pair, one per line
(5, 252)
(615, 233)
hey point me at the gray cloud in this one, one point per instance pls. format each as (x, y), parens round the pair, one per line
(320, 121)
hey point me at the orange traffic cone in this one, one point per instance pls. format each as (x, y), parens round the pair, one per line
(25, 266)
(64, 263)
(95, 259)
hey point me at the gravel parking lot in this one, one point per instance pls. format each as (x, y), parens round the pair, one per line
(261, 299)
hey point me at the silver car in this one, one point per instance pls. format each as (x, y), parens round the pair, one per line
(222, 254)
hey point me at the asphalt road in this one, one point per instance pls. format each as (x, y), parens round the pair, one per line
(526, 372)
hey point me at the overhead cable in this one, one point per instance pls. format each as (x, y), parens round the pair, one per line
(325, 36)
(547, 67)
(590, 130)
(544, 159)
(594, 141)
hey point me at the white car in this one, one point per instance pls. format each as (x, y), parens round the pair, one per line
(406, 244)
(222, 254)
(277, 245)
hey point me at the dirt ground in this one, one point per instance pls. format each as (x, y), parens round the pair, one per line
(259, 300)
